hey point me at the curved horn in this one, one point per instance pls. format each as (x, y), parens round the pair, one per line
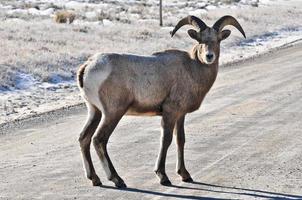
(192, 20)
(227, 20)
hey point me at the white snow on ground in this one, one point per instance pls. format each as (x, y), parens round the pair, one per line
(29, 94)
(24, 81)
(260, 44)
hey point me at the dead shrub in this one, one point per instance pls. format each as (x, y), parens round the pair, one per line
(64, 16)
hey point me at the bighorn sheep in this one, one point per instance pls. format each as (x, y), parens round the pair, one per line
(171, 84)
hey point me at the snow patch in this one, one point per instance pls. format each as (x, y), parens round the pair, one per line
(24, 81)
(48, 11)
(274, 38)
(260, 44)
(107, 22)
(197, 12)
(31, 11)
(91, 15)
(211, 7)
(75, 5)
(87, 23)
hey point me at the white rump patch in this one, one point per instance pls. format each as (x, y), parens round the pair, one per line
(97, 71)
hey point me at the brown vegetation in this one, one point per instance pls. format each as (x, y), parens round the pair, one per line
(64, 16)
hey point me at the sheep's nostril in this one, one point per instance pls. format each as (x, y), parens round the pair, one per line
(209, 56)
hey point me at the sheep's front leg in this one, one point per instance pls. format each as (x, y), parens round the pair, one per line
(179, 132)
(167, 123)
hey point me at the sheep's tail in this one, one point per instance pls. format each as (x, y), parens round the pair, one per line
(80, 75)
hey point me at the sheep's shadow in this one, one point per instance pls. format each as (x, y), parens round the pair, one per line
(240, 192)
(161, 194)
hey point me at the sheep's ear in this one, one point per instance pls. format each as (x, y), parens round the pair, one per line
(224, 34)
(193, 34)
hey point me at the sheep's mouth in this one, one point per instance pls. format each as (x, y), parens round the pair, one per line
(209, 61)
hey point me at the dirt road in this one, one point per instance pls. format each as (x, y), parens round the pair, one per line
(244, 143)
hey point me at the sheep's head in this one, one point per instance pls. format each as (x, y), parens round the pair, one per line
(209, 38)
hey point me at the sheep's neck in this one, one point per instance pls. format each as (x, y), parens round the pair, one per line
(204, 74)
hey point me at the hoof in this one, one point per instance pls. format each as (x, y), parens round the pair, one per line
(96, 182)
(118, 181)
(188, 180)
(120, 185)
(166, 182)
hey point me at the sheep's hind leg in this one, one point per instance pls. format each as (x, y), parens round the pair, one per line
(104, 130)
(180, 142)
(94, 117)
(167, 123)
